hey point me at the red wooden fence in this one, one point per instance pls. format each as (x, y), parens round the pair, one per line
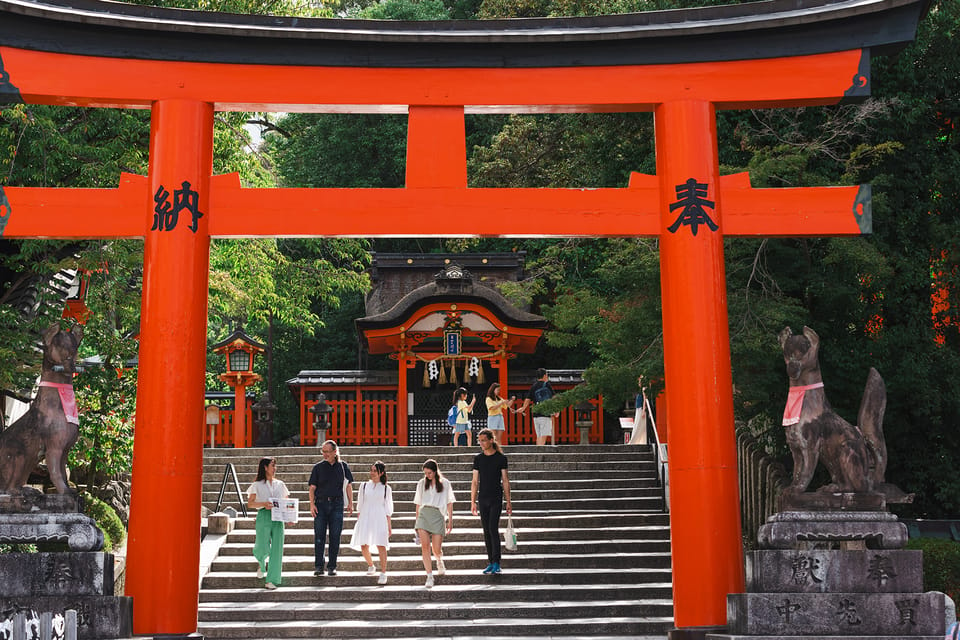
(356, 422)
(223, 432)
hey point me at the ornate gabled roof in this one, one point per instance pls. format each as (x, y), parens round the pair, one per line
(238, 335)
(453, 284)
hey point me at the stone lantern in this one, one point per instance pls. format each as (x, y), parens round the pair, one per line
(263, 417)
(321, 418)
(584, 420)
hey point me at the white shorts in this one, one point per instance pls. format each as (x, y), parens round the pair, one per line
(543, 425)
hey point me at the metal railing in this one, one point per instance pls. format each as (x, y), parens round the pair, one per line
(227, 472)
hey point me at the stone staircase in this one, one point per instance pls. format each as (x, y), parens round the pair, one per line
(593, 558)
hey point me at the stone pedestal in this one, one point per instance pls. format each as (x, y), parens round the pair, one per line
(835, 575)
(80, 579)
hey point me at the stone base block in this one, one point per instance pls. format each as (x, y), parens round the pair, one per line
(36, 502)
(57, 574)
(829, 501)
(79, 531)
(219, 523)
(839, 614)
(808, 529)
(98, 617)
(825, 571)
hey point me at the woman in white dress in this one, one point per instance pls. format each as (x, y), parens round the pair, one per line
(375, 506)
(268, 545)
(434, 501)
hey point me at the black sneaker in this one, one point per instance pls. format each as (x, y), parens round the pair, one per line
(332, 572)
(318, 573)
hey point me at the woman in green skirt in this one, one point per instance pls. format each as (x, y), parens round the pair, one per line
(434, 499)
(268, 546)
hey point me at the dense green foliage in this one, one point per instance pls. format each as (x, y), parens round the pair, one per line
(941, 564)
(107, 521)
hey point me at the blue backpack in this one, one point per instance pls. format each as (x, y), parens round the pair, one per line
(452, 416)
(542, 394)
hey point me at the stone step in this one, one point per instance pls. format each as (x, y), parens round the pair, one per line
(532, 518)
(402, 541)
(438, 453)
(457, 548)
(356, 564)
(593, 562)
(287, 466)
(463, 579)
(404, 490)
(398, 590)
(442, 628)
(520, 479)
(609, 505)
(324, 610)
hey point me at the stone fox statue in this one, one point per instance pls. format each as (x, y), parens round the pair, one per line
(854, 455)
(51, 425)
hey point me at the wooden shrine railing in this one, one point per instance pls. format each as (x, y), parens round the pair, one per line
(355, 421)
(374, 422)
(223, 432)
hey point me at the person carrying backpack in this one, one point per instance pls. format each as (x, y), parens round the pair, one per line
(541, 391)
(462, 424)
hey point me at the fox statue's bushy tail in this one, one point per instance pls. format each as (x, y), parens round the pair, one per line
(870, 421)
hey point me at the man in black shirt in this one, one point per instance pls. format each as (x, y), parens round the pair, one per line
(491, 483)
(330, 485)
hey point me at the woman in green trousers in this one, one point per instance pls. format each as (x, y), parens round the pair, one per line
(268, 546)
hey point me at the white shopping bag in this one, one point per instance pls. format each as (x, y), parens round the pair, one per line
(510, 535)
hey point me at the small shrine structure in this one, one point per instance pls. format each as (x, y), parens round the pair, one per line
(441, 318)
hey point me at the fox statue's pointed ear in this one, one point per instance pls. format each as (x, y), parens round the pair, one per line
(49, 332)
(812, 337)
(786, 333)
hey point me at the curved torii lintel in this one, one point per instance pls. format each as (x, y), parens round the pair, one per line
(112, 54)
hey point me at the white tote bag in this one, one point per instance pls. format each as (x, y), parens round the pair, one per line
(510, 535)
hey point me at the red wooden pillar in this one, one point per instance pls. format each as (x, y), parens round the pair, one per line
(705, 508)
(402, 417)
(504, 393)
(239, 415)
(164, 542)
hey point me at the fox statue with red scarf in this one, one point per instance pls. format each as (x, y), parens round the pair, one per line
(854, 455)
(51, 425)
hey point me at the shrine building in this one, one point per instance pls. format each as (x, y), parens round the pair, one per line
(442, 320)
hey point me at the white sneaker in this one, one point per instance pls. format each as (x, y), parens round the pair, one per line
(429, 582)
(371, 569)
(382, 579)
(270, 586)
(259, 571)
(441, 569)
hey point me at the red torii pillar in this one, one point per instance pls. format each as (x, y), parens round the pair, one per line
(704, 485)
(168, 447)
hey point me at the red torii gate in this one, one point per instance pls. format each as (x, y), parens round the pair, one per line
(681, 65)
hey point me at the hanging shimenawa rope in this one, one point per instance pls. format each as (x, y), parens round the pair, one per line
(473, 367)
